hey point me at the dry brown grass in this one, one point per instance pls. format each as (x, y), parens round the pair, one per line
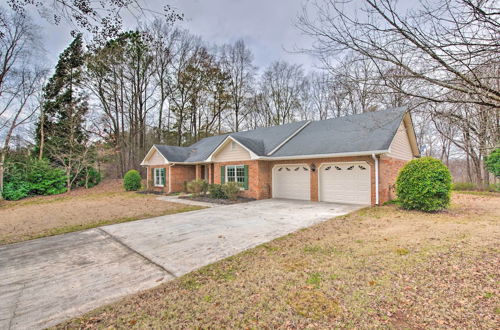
(80, 209)
(379, 267)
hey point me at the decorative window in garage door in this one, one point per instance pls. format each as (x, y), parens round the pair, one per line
(294, 169)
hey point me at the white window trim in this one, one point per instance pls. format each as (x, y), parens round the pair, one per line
(235, 171)
(155, 170)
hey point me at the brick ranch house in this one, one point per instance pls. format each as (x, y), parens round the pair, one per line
(352, 159)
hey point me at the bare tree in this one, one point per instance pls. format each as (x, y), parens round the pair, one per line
(280, 85)
(237, 62)
(441, 43)
(20, 80)
(104, 19)
(162, 44)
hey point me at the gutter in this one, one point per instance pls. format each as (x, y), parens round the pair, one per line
(376, 179)
(343, 154)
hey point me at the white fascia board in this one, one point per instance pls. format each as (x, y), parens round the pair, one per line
(288, 138)
(153, 148)
(223, 144)
(343, 154)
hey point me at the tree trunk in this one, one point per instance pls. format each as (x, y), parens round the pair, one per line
(2, 162)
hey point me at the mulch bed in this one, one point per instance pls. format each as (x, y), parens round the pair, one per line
(207, 199)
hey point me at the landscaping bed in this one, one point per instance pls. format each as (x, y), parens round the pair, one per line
(380, 267)
(208, 199)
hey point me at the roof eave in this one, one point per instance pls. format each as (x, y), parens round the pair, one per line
(331, 155)
(222, 144)
(148, 155)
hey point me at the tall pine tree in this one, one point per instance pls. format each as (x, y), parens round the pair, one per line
(61, 135)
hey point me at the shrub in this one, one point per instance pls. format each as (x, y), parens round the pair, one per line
(132, 181)
(216, 191)
(14, 191)
(424, 184)
(45, 179)
(495, 187)
(463, 186)
(493, 162)
(231, 190)
(197, 187)
(89, 176)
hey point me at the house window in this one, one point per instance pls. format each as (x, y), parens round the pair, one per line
(159, 177)
(233, 145)
(235, 173)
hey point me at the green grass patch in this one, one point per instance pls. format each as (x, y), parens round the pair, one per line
(402, 251)
(314, 279)
(317, 249)
(479, 193)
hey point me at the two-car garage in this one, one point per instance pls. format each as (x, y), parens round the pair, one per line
(341, 182)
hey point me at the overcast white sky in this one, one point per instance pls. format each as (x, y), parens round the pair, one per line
(267, 26)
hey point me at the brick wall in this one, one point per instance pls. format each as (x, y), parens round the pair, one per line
(389, 169)
(150, 173)
(177, 174)
(254, 182)
(180, 174)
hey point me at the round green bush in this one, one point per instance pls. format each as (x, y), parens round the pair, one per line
(132, 181)
(424, 184)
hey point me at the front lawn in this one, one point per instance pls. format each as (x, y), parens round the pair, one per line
(80, 209)
(378, 267)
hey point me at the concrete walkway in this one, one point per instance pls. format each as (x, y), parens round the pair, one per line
(176, 199)
(48, 280)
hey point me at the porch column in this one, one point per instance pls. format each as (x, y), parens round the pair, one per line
(147, 177)
(210, 174)
(198, 171)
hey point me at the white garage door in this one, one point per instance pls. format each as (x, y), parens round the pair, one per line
(291, 181)
(345, 183)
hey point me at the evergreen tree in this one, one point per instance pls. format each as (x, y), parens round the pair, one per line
(61, 135)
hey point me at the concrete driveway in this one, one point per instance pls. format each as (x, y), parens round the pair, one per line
(48, 280)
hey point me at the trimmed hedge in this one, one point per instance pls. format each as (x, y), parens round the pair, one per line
(132, 181)
(424, 184)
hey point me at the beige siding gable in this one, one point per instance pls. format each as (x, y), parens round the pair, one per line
(400, 146)
(155, 159)
(231, 151)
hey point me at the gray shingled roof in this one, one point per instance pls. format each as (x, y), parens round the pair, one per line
(369, 131)
(357, 133)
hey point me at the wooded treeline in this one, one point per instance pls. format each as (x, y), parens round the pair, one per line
(162, 84)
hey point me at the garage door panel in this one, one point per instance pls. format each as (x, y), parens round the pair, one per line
(345, 183)
(292, 182)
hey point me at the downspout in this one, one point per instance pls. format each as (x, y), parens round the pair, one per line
(376, 179)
